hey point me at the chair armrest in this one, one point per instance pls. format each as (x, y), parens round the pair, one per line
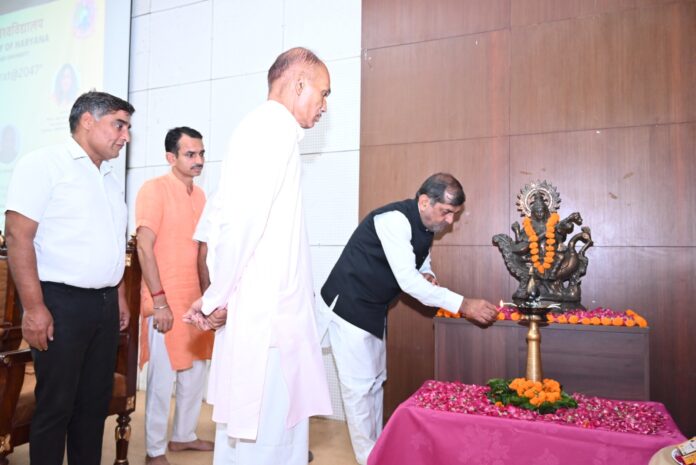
(15, 357)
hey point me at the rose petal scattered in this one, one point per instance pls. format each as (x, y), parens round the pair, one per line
(592, 412)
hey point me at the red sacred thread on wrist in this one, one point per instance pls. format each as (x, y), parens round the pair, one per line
(160, 292)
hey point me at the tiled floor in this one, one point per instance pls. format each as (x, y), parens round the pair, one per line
(328, 440)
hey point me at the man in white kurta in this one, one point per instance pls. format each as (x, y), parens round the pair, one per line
(267, 374)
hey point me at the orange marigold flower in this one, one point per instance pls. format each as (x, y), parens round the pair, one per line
(535, 401)
(498, 404)
(533, 238)
(515, 383)
(630, 312)
(501, 316)
(550, 318)
(617, 321)
(585, 321)
(606, 321)
(562, 319)
(642, 322)
(551, 382)
(630, 323)
(573, 319)
(595, 320)
(552, 385)
(529, 393)
(515, 316)
(546, 265)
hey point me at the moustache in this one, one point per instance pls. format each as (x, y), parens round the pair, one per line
(197, 165)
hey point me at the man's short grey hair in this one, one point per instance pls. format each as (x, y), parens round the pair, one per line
(97, 104)
(289, 58)
(442, 188)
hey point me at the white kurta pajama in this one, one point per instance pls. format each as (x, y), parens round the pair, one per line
(259, 262)
(360, 356)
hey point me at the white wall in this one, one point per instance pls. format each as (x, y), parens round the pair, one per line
(203, 64)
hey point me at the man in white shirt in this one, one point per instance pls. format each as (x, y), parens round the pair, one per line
(66, 244)
(388, 253)
(267, 374)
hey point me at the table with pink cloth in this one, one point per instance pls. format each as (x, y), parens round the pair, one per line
(416, 435)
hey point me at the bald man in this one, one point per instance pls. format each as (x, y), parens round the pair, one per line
(267, 373)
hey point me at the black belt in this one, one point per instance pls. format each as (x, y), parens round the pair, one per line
(88, 290)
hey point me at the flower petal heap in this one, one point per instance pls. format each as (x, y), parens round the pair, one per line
(591, 412)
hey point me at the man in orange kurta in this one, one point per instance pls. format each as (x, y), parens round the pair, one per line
(167, 210)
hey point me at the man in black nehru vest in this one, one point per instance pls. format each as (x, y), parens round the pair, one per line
(388, 253)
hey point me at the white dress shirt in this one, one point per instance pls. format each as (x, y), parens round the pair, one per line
(394, 232)
(81, 237)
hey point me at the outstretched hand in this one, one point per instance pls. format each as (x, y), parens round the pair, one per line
(479, 310)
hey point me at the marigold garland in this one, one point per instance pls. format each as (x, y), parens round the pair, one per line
(549, 238)
(599, 317)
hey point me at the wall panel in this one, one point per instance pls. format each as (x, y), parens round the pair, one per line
(440, 90)
(637, 67)
(625, 182)
(525, 12)
(397, 22)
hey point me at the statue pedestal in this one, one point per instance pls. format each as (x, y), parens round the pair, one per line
(606, 361)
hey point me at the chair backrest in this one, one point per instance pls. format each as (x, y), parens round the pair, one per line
(10, 307)
(127, 357)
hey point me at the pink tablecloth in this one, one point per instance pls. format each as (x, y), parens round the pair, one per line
(416, 435)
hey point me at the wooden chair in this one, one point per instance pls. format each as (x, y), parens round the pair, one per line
(10, 311)
(17, 378)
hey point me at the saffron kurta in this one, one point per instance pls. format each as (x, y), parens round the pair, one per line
(259, 262)
(165, 206)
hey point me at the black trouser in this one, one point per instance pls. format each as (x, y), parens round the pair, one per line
(74, 377)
